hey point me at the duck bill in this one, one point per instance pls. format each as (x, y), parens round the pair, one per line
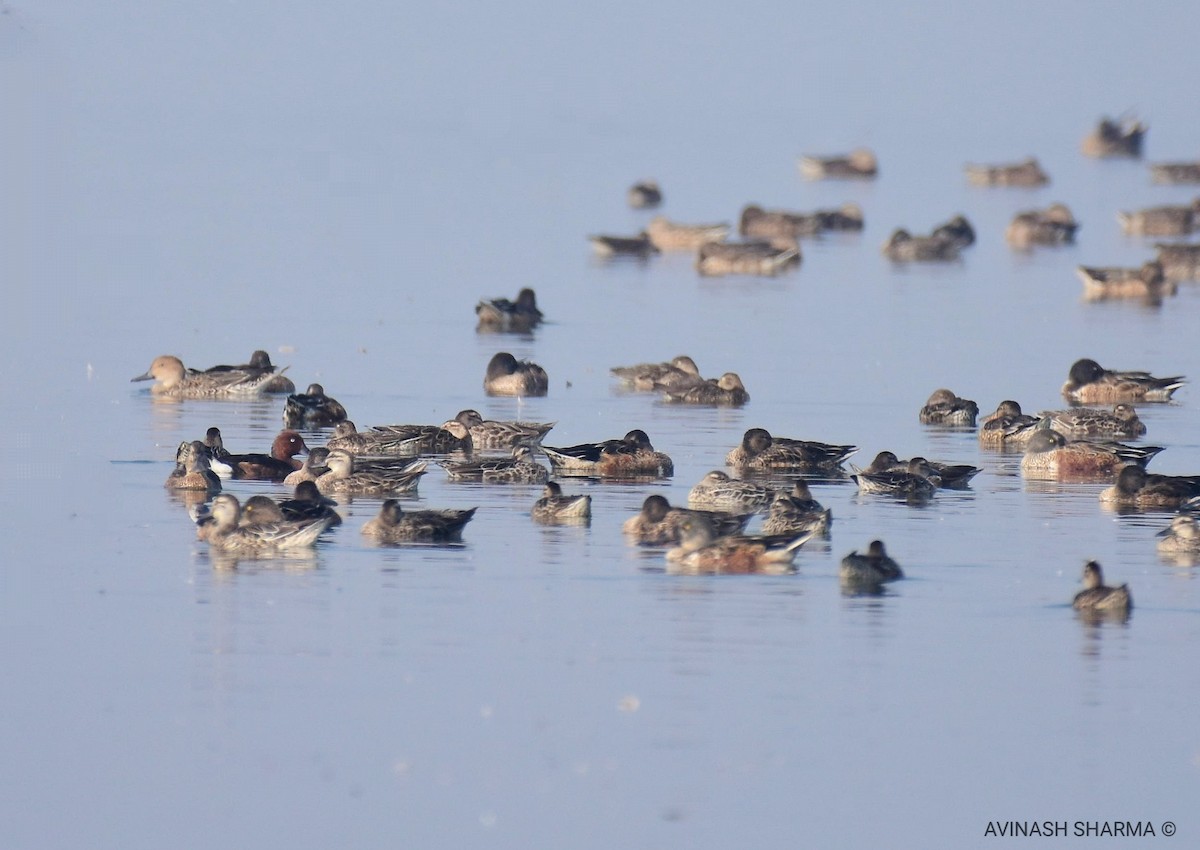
(145, 377)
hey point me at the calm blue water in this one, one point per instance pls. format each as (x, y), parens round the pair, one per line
(340, 186)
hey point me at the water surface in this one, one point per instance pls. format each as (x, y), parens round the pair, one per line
(340, 186)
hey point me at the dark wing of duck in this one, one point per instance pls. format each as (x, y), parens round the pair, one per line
(899, 483)
(1140, 455)
(1087, 420)
(821, 455)
(303, 409)
(1185, 486)
(506, 313)
(496, 308)
(644, 371)
(790, 515)
(706, 392)
(587, 452)
(439, 525)
(1145, 379)
(309, 509)
(259, 467)
(955, 475)
(722, 523)
(476, 468)
(415, 439)
(245, 368)
(1010, 426)
(401, 432)
(391, 476)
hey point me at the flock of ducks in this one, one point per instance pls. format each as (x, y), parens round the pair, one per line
(387, 461)
(708, 537)
(770, 243)
(1081, 444)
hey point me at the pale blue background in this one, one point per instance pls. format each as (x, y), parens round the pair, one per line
(339, 184)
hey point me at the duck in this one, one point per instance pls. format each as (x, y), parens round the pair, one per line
(958, 230)
(508, 376)
(1097, 597)
(343, 477)
(1137, 488)
(201, 515)
(214, 444)
(916, 481)
(657, 523)
(757, 223)
(308, 503)
(554, 506)
(702, 552)
(1055, 225)
(175, 381)
(348, 438)
(954, 476)
(762, 451)
(630, 456)
(1179, 261)
(761, 258)
(860, 163)
(275, 466)
(499, 434)
(1090, 383)
(257, 510)
(717, 491)
(451, 436)
(1051, 453)
(638, 247)
(847, 217)
(1182, 536)
(726, 391)
(1027, 172)
(796, 512)
(259, 538)
(1008, 427)
(1175, 172)
(1161, 221)
(395, 525)
(1121, 423)
(402, 440)
(214, 447)
(1103, 283)
(312, 409)
(874, 568)
(648, 377)
(903, 247)
(1119, 137)
(192, 469)
(519, 316)
(519, 468)
(946, 408)
(644, 194)
(667, 235)
(312, 468)
(260, 362)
